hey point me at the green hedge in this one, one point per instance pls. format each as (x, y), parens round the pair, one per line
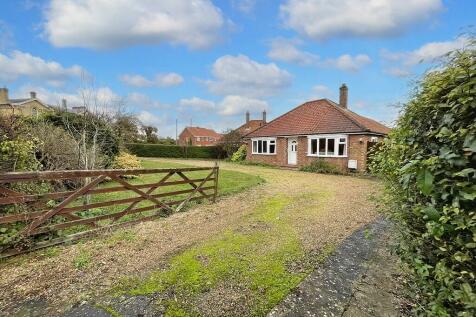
(175, 151)
(428, 164)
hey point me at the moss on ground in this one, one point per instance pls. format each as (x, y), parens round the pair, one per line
(255, 258)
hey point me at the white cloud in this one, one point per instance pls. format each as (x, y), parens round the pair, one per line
(286, 50)
(322, 91)
(240, 75)
(160, 80)
(20, 64)
(148, 118)
(140, 101)
(101, 99)
(427, 53)
(322, 19)
(196, 103)
(233, 105)
(245, 6)
(347, 62)
(106, 24)
(398, 72)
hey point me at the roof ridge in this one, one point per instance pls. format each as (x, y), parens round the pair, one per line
(341, 109)
(267, 124)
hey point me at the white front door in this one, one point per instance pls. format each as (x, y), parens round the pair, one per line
(292, 151)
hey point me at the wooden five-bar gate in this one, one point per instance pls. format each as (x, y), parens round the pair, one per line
(40, 220)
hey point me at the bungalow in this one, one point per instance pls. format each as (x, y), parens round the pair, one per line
(319, 129)
(198, 137)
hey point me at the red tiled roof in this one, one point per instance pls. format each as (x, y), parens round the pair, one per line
(319, 116)
(250, 126)
(197, 131)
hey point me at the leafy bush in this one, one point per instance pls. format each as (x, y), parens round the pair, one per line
(126, 161)
(428, 164)
(175, 151)
(17, 155)
(321, 166)
(240, 154)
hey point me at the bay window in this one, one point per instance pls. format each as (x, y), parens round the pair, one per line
(327, 145)
(264, 146)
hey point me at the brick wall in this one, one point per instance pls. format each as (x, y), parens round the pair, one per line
(280, 158)
(357, 150)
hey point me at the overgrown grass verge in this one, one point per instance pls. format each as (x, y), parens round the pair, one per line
(245, 271)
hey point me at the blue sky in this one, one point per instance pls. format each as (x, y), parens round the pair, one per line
(210, 61)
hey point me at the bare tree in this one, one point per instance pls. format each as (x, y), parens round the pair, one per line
(91, 128)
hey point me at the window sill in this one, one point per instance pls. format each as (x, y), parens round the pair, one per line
(263, 153)
(330, 156)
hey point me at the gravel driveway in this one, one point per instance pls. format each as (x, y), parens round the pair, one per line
(48, 282)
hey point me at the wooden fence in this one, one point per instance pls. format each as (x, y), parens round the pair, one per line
(33, 221)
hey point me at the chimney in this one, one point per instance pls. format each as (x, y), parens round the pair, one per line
(264, 116)
(64, 106)
(3, 95)
(247, 116)
(32, 94)
(343, 95)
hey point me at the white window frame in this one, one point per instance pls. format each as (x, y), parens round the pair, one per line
(254, 149)
(337, 141)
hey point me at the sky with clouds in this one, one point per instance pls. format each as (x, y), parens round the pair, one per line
(210, 61)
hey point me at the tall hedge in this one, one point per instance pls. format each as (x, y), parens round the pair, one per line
(175, 151)
(429, 167)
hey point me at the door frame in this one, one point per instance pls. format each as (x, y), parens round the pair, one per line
(289, 150)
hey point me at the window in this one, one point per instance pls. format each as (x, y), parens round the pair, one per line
(272, 147)
(327, 146)
(34, 112)
(322, 146)
(313, 147)
(264, 146)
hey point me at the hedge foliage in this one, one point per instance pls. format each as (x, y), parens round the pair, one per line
(321, 166)
(175, 151)
(429, 167)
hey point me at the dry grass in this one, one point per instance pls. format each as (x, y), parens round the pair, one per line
(137, 251)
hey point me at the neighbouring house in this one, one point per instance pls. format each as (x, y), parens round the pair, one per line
(251, 125)
(319, 129)
(198, 137)
(24, 107)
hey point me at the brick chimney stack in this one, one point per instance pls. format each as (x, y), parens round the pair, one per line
(3, 95)
(264, 116)
(32, 94)
(343, 95)
(247, 116)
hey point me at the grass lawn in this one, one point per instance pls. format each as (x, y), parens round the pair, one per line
(230, 182)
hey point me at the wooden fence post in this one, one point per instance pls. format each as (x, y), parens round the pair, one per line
(215, 194)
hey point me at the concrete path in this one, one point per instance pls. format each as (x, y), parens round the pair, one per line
(356, 281)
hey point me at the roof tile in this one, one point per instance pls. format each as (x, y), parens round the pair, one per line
(319, 116)
(197, 131)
